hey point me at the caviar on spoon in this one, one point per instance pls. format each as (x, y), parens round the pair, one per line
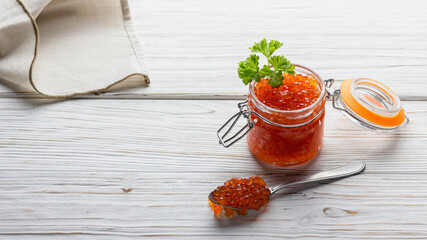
(237, 195)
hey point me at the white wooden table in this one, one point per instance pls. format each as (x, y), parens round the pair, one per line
(140, 162)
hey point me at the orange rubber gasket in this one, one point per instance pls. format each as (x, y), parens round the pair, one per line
(359, 109)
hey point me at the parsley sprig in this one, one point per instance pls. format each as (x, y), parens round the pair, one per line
(249, 70)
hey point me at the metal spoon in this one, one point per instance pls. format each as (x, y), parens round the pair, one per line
(340, 172)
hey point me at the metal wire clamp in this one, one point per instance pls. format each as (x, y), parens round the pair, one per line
(245, 111)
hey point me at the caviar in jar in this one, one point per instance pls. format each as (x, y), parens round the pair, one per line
(240, 193)
(297, 110)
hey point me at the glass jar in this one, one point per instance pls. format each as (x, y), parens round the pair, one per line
(285, 138)
(288, 138)
(297, 136)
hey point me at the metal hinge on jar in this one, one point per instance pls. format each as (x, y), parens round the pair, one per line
(333, 93)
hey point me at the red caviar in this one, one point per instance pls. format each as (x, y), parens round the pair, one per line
(295, 104)
(241, 193)
(298, 91)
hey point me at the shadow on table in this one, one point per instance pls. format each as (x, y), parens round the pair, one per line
(30, 97)
(303, 168)
(252, 216)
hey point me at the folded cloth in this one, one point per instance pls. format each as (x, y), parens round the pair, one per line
(60, 48)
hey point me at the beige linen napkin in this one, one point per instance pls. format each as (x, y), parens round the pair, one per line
(60, 48)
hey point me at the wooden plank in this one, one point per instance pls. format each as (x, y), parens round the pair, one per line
(193, 48)
(93, 205)
(120, 169)
(178, 136)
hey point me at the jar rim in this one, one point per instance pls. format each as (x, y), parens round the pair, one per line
(390, 101)
(319, 99)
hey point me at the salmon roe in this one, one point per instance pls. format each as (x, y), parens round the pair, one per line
(300, 138)
(298, 91)
(242, 193)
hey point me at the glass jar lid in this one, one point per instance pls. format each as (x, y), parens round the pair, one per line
(370, 104)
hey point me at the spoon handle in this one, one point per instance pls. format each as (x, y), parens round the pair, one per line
(340, 172)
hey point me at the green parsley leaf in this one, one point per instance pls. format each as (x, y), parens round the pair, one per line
(267, 49)
(248, 69)
(290, 70)
(276, 80)
(260, 47)
(266, 71)
(274, 45)
(280, 63)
